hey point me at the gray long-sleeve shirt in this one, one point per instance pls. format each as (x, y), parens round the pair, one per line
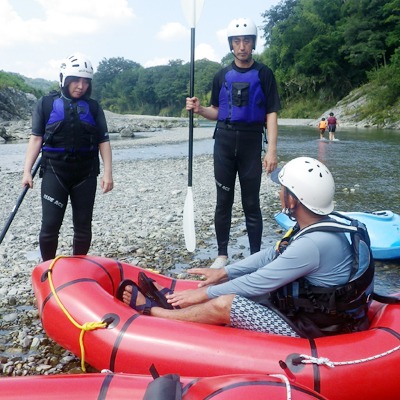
(324, 258)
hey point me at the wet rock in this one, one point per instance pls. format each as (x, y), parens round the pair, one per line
(10, 317)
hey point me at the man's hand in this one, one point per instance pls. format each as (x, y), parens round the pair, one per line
(187, 298)
(193, 104)
(270, 161)
(212, 275)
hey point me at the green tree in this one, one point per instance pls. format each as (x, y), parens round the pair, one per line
(17, 81)
(391, 10)
(204, 75)
(384, 96)
(108, 70)
(364, 30)
(226, 60)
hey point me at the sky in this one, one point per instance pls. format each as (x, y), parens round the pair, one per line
(35, 35)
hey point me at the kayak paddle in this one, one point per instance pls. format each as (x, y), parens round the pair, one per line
(18, 203)
(192, 10)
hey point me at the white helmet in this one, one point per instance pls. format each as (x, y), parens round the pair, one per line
(311, 182)
(75, 65)
(242, 27)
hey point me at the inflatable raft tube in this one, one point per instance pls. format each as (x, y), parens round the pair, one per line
(351, 366)
(136, 387)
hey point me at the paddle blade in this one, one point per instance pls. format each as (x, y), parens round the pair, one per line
(188, 222)
(192, 10)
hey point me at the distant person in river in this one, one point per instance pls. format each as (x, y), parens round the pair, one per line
(70, 128)
(244, 102)
(332, 123)
(299, 288)
(322, 128)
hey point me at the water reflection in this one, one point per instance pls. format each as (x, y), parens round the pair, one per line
(365, 164)
(366, 167)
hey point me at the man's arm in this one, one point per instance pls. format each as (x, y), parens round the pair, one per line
(210, 112)
(271, 159)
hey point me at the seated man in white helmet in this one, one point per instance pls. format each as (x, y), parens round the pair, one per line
(307, 287)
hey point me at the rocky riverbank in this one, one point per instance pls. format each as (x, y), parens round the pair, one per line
(139, 222)
(123, 125)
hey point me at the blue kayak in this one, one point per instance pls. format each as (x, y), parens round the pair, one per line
(383, 228)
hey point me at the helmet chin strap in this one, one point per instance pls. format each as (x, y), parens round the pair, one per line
(286, 210)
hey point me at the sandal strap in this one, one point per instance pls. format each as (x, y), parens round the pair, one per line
(166, 291)
(147, 310)
(144, 308)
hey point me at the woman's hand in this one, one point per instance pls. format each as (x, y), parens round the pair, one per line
(107, 183)
(27, 180)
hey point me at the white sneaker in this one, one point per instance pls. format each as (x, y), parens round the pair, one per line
(219, 263)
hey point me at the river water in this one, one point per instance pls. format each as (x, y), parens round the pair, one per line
(365, 164)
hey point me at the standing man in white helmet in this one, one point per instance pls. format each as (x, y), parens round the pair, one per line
(313, 283)
(70, 128)
(244, 101)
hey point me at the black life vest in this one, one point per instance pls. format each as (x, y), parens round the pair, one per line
(332, 310)
(71, 129)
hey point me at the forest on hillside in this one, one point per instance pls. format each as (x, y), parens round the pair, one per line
(319, 51)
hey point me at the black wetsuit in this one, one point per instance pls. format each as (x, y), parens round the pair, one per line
(238, 145)
(69, 169)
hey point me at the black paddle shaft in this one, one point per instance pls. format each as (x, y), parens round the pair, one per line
(191, 94)
(18, 203)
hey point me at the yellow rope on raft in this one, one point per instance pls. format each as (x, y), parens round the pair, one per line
(152, 270)
(88, 326)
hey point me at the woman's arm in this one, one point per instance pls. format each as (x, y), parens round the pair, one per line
(107, 183)
(32, 152)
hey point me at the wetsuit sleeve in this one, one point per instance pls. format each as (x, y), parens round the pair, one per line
(270, 89)
(216, 87)
(300, 259)
(101, 123)
(38, 120)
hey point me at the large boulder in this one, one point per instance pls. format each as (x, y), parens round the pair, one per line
(4, 134)
(15, 104)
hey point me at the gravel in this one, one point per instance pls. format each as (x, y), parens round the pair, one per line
(139, 222)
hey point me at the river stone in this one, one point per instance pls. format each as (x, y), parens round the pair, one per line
(10, 317)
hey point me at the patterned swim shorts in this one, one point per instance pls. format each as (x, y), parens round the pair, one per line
(246, 314)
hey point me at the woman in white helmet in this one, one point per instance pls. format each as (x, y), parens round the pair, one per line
(70, 129)
(244, 101)
(299, 288)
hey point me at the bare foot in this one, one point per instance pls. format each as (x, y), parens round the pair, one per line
(127, 297)
(140, 299)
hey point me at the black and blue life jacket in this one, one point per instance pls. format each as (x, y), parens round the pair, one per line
(242, 101)
(70, 129)
(331, 310)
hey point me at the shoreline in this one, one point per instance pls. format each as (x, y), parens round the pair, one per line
(128, 125)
